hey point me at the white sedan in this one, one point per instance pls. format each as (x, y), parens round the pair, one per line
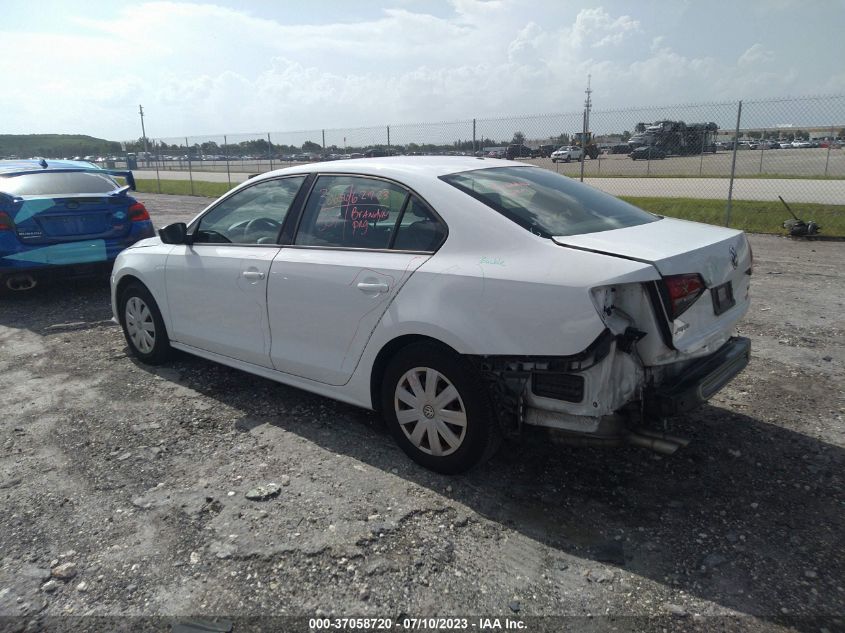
(464, 298)
(567, 153)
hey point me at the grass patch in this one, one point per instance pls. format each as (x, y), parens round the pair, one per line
(183, 187)
(749, 215)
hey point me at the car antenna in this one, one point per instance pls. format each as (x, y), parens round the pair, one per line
(43, 163)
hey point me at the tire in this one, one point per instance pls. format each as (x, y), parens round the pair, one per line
(461, 447)
(148, 340)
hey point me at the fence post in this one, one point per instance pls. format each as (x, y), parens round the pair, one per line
(474, 148)
(829, 145)
(728, 209)
(190, 171)
(324, 140)
(269, 151)
(226, 150)
(762, 140)
(388, 139)
(158, 180)
(583, 144)
(701, 161)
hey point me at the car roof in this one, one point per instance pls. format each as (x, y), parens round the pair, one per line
(399, 167)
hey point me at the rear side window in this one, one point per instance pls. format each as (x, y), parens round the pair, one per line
(547, 203)
(49, 183)
(419, 229)
(351, 212)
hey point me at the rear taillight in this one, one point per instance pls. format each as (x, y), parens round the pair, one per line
(138, 212)
(682, 291)
(6, 223)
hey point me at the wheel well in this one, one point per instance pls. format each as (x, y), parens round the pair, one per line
(389, 351)
(125, 281)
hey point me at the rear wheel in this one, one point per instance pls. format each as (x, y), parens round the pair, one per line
(143, 326)
(438, 409)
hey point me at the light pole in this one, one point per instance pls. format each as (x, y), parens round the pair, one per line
(144, 135)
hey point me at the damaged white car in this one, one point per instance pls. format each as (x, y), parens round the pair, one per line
(464, 298)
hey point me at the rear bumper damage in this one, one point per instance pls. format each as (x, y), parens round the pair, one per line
(700, 381)
(606, 396)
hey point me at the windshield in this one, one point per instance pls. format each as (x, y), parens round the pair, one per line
(50, 183)
(547, 203)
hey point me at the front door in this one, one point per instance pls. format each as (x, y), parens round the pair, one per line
(217, 286)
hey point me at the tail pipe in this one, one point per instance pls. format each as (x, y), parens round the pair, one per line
(21, 282)
(658, 442)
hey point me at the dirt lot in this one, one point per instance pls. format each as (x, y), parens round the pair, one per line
(137, 477)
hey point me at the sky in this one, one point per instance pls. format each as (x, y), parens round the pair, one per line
(242, 66)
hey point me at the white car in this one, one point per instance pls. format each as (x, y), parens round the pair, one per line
(464, 298)
(567, 153)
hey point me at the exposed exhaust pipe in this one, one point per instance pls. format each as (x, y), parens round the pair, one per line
(682, 441)
(21, 282)
(660, 445)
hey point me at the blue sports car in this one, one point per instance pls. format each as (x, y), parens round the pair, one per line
(64, 218)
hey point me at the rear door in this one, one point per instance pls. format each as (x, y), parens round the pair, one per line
(359, 240)
(217, 286)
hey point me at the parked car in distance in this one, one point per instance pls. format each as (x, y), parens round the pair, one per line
(567, 153)
(516, 150)
(621, 148)
(544, 151)
(647, 152)
(463, 298)
(64, 218)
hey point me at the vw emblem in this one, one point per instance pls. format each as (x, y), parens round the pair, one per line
(734, 258)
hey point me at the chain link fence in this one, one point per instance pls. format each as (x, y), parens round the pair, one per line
(737, 154)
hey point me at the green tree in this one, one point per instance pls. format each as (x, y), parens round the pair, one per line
(518, 138)
(626, 135)
(311, 146)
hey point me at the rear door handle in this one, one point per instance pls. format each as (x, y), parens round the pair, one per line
(253, 275)
(380, 286)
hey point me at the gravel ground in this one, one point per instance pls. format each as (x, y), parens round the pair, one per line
(128, 484)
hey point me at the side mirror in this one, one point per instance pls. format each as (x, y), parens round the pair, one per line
(175, 234)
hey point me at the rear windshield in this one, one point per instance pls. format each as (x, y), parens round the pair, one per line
(547, 203)
(49, 183)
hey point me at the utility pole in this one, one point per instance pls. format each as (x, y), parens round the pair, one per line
(588, 103)
(144, 134)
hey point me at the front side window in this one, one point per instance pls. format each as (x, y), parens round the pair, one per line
(251, 216)
(351, 212)
(51, 183)
(547, 203)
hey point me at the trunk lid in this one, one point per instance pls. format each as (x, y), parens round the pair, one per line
(41, 220)
(674, 247)
(677, 247)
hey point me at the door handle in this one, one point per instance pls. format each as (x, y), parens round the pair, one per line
(380, 286)
(252, 275)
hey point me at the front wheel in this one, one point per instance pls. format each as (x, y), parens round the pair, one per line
(438, 409)
(143, 326)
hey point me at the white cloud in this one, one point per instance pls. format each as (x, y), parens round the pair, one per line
(755, 55)
(596, 28)
(201, 68)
